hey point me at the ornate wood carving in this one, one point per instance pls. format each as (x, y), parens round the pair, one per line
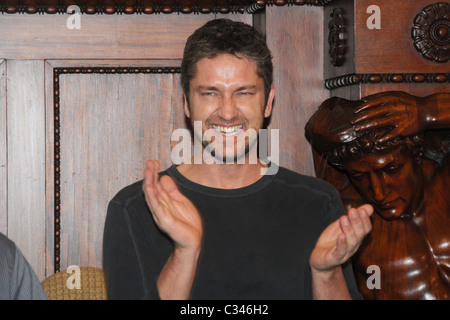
(431, 32)
(336, 37)
(352, 79)
(149, 6)
(384, 150)
(297, 2)
(57, 146)
(129, 7)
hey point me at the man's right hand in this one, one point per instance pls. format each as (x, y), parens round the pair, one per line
(173, 212)
(180, 220)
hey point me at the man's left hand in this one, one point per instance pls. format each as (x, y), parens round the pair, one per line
(341, 239)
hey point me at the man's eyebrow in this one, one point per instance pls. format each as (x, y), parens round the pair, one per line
(208, 88)
(250, 86)
(213, 88)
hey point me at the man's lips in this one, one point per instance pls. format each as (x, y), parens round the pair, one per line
(228, 130)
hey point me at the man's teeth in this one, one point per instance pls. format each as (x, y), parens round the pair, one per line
(228, 131)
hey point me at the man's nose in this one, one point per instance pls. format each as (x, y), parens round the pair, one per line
(379, 186)
(227, 109)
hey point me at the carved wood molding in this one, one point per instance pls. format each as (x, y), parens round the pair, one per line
(354, 79)
(57, 133)
(431, 32)
(296, 2)
(147, 6)
(336, 37)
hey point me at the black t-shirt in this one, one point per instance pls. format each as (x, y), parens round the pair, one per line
(257, 240)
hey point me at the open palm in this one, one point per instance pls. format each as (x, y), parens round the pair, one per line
(174, 214)
(340, 240)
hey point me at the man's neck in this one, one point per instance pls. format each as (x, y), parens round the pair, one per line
(223, 176)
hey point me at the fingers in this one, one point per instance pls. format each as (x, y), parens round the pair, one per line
(389, 136)
(160, 203)
(360, 220)
(378, 123)
(168, 185)
(158, 189)
(151, 172)
(382, 111)
(150, 180)
(161, 194)
(380, 99)
(341, 248)
(355, 226)
(151, 186)
(370, 103)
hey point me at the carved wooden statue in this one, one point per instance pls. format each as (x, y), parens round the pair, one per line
(392, 150)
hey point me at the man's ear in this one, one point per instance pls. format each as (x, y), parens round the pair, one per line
(187, 111)
(269, 105)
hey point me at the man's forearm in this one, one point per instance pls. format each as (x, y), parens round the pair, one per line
(329, 285)
(177, 277)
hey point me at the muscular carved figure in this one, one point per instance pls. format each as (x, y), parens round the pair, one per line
(391, 150)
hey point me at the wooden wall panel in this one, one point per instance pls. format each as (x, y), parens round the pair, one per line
(3, 152)
(26, 159)
(294, 35)
(390, 49)
(100, 36)
(109, 125)
(30, 43)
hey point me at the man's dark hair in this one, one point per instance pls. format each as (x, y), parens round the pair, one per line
(223, 36)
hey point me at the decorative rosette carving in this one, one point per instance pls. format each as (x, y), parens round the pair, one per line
(431, 32)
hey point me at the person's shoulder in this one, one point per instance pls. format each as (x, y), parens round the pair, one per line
(6, 243)
(133, 191)
(293, 179)
(8, 251)
(129, 194)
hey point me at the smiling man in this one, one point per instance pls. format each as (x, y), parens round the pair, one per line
(227, 98)
(228, 230)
